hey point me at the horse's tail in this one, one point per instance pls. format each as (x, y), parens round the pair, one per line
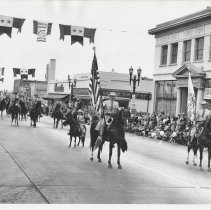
(124, 145)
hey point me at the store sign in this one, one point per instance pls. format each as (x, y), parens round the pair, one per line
(126, 94)
(59, 88)
(207, 93)
(119, 93)
(81, 91)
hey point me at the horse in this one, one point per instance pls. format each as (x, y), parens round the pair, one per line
(2, 107)
(15, 111)
(7, 100)
(114, 134)
(24, 110)
(57, 116)
(205, 141)
(75, 131)
(34, 113)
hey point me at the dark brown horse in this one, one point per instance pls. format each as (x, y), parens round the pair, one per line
(34, 113)
(205, 142)
(75, 131)
(115, 134)
(24, 110)
(2, 106)
(15, 111)
(57, 116)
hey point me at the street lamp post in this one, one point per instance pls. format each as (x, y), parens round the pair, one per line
(148, 97)
(72, 84)
(134, 79)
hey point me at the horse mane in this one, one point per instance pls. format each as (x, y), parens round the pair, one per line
(118, 118)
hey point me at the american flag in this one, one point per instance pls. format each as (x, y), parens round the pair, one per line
(94, 86)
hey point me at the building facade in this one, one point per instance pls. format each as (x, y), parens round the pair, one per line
(110, 82)
(118, 83)
(182, 45)
(30, 89)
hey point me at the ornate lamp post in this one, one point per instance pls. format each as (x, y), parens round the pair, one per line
(148, 98)
(134, 80)
(72, 84)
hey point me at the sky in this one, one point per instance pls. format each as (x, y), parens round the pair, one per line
(121, 37)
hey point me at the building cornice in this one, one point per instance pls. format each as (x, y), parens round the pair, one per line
(203, 14)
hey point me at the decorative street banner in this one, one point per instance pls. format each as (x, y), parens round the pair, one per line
(2, 71)
(77, 33)
(23, 72)
(7, 23)
(42, 29)
(2, 74)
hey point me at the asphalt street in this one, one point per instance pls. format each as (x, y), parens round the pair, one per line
(36, 166)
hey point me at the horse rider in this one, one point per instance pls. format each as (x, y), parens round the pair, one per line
(203, 113)
(201, 117)
(56, 109)
(74, 114)
(199, 122)
(110, 109)
(68, 115)
(80, 120)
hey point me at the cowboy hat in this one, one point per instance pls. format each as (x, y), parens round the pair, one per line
(203, 102)
(112, 94)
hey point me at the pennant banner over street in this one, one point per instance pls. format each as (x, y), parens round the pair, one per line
(23, 72)
(2, 74)
(77, 33)
(7, 23)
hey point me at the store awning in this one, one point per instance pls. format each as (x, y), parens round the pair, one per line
(55, 96)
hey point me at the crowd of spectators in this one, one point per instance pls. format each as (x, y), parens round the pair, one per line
(160, 126)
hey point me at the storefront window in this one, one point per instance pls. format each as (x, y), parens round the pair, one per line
(208, 83)
(166, 97)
